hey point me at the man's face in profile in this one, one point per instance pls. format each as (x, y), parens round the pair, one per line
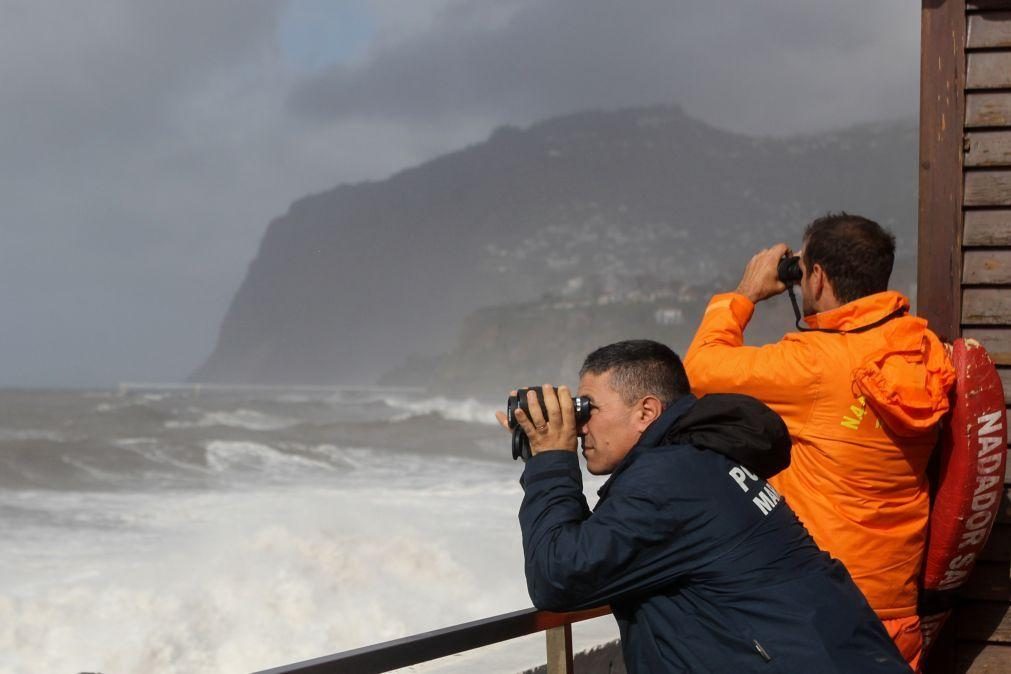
(610, 433)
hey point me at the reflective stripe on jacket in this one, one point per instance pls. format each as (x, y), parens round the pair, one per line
(862, 409)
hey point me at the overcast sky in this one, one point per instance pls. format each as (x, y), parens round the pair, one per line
(145, 146)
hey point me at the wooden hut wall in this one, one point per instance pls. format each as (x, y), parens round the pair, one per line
(965, 262)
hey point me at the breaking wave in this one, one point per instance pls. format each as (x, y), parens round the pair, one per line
(242, 418)
(468, 410)
(224, 456)
(242, 582)
(180, 533)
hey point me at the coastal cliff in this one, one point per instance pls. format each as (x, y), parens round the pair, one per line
(616, 221)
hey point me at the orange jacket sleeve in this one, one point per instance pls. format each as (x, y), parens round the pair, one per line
(785, 375)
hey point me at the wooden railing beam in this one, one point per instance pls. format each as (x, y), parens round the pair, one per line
(419, 648)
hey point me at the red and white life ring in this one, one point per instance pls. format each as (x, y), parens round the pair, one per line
(970, 482)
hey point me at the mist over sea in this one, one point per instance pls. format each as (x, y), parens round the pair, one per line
(195, 532)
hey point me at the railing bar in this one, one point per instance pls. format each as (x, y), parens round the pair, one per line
(418, 648)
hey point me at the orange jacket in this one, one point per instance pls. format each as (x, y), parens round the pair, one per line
(862, 409)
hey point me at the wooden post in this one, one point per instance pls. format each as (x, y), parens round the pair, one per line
(942, 115)
(939, 268)
(559, 642)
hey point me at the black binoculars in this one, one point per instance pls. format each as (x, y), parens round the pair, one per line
(521, 443)
(789, 271)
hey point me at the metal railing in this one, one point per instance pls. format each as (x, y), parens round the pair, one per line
(420, 648)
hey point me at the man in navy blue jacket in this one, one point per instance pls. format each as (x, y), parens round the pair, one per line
(704, 565)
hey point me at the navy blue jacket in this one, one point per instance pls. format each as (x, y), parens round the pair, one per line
(705, 567)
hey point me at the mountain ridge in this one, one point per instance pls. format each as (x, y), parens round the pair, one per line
(352, 281)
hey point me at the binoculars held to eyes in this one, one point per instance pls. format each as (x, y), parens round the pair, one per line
(521, 443)
(789, 271)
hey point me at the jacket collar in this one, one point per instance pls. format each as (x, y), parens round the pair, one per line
(651, 437)
(859, 312)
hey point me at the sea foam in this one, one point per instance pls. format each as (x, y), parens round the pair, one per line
(225, 456)
(250, 420)
(245, 581)
(469, 409)
(222, 568)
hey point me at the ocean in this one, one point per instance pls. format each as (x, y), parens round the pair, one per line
(192, 531)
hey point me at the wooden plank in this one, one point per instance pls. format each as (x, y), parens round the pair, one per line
(939, 275)
(996, 341)
(983, 659)
(986, 306)
(989, 70)
(987, 228)
(988, 109)
(989, 581)
(1004, 514)
(988, 148)
(987, 266)
(998, 547)
(984, 622)
(1005, 381)
(988, 188)
(559, 647)
(942, 655)
(989, 29)
(942, 115)
(987, 4)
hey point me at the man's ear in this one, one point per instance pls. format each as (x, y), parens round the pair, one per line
(649, 410)
(818, 281)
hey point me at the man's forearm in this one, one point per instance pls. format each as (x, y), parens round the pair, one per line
(553, 499)
(783, 375)
(577, 560)
(552, 495)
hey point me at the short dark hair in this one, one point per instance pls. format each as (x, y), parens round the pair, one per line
(640, 367)
(857, 254)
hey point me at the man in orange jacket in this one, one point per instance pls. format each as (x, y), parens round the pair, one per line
(861, 389)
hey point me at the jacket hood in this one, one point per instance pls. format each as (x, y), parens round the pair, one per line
(737, 426)
(907, 379)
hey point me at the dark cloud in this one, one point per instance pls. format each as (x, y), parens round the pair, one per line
(145, 146)
(99, 278)
(769, 67)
